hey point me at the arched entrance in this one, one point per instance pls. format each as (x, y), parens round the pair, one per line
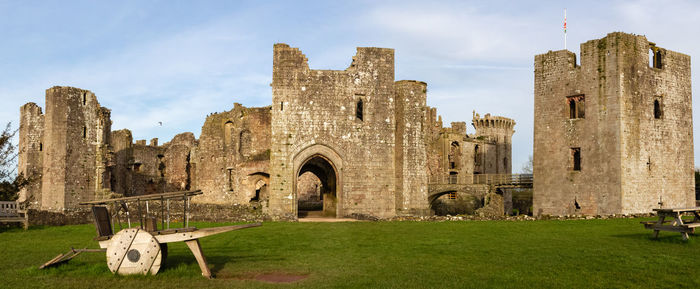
(453, 203)
(317, 187)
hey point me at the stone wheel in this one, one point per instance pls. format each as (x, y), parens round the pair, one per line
(134, 251)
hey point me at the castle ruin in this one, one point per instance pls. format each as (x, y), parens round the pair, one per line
(613, 135)
(351, 142)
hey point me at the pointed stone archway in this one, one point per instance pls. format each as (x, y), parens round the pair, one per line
(326, 164)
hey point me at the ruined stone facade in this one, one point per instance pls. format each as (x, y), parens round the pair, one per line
(66, 150)
(351, 142)
(614, 134)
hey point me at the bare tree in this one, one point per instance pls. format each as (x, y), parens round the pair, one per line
(527, 167)
(10, 181)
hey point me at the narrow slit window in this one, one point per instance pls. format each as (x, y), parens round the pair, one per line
(576, 159)
(658, 113)
(84, 98)
(84, 132)
(41, 146)
(360, 110)
(655, 57)
(281, 105)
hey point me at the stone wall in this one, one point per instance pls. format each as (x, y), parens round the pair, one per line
(233, 155)
(410, 150)
(372, 143)
(68, 144)
(30, 156)
(315, 113)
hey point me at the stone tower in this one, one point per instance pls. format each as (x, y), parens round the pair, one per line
(499, 131)
(613, 134)
(31, 146)
(69, 145)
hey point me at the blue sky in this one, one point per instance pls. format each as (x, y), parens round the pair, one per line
(175, 62)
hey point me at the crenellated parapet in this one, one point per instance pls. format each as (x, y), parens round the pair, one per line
(494, 128)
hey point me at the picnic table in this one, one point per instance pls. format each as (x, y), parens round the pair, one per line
(672, 220)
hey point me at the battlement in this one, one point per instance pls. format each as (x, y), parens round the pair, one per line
(490, 122)
(616, 50)
(624, 116)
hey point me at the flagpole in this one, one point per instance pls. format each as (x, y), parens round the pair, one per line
(564, 28)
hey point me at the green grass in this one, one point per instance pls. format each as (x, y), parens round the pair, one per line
(614, 253)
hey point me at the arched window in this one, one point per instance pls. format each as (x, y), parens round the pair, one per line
(228, 134)
(454, 156)
(245, 143)
(360, 110)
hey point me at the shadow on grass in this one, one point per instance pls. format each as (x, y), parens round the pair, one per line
(216, 262)
(664, 237)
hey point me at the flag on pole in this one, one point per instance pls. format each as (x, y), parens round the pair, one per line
(564, 28)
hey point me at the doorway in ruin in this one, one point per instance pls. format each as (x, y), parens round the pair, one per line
(454, 203)
(316, 188)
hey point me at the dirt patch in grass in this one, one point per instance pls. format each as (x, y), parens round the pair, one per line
(269, 277)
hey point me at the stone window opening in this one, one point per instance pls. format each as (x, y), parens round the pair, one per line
(281, 105)
(477, 161)
(658, 112)
(259, 186)
(257, 196)
(577, 106)
(228, 134)
(359, 112)
(576, 205)
(454, 156)
(245, 144)
(137, 167)
(655, 58)
(230, 179)
(84, 132)
(84, 98)
(649, 163)
(453, 178)
(41, 146)
(576, 159)
(161, 166)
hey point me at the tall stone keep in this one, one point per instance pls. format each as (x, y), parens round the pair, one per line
(614, 134)
(66, 150)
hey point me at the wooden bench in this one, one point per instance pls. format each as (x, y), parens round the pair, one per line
(9, 213)
(675, 221)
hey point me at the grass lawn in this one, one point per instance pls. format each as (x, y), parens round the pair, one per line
(532, 254)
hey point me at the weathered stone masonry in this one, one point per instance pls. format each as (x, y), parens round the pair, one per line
(613, 135)
(371, 144)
